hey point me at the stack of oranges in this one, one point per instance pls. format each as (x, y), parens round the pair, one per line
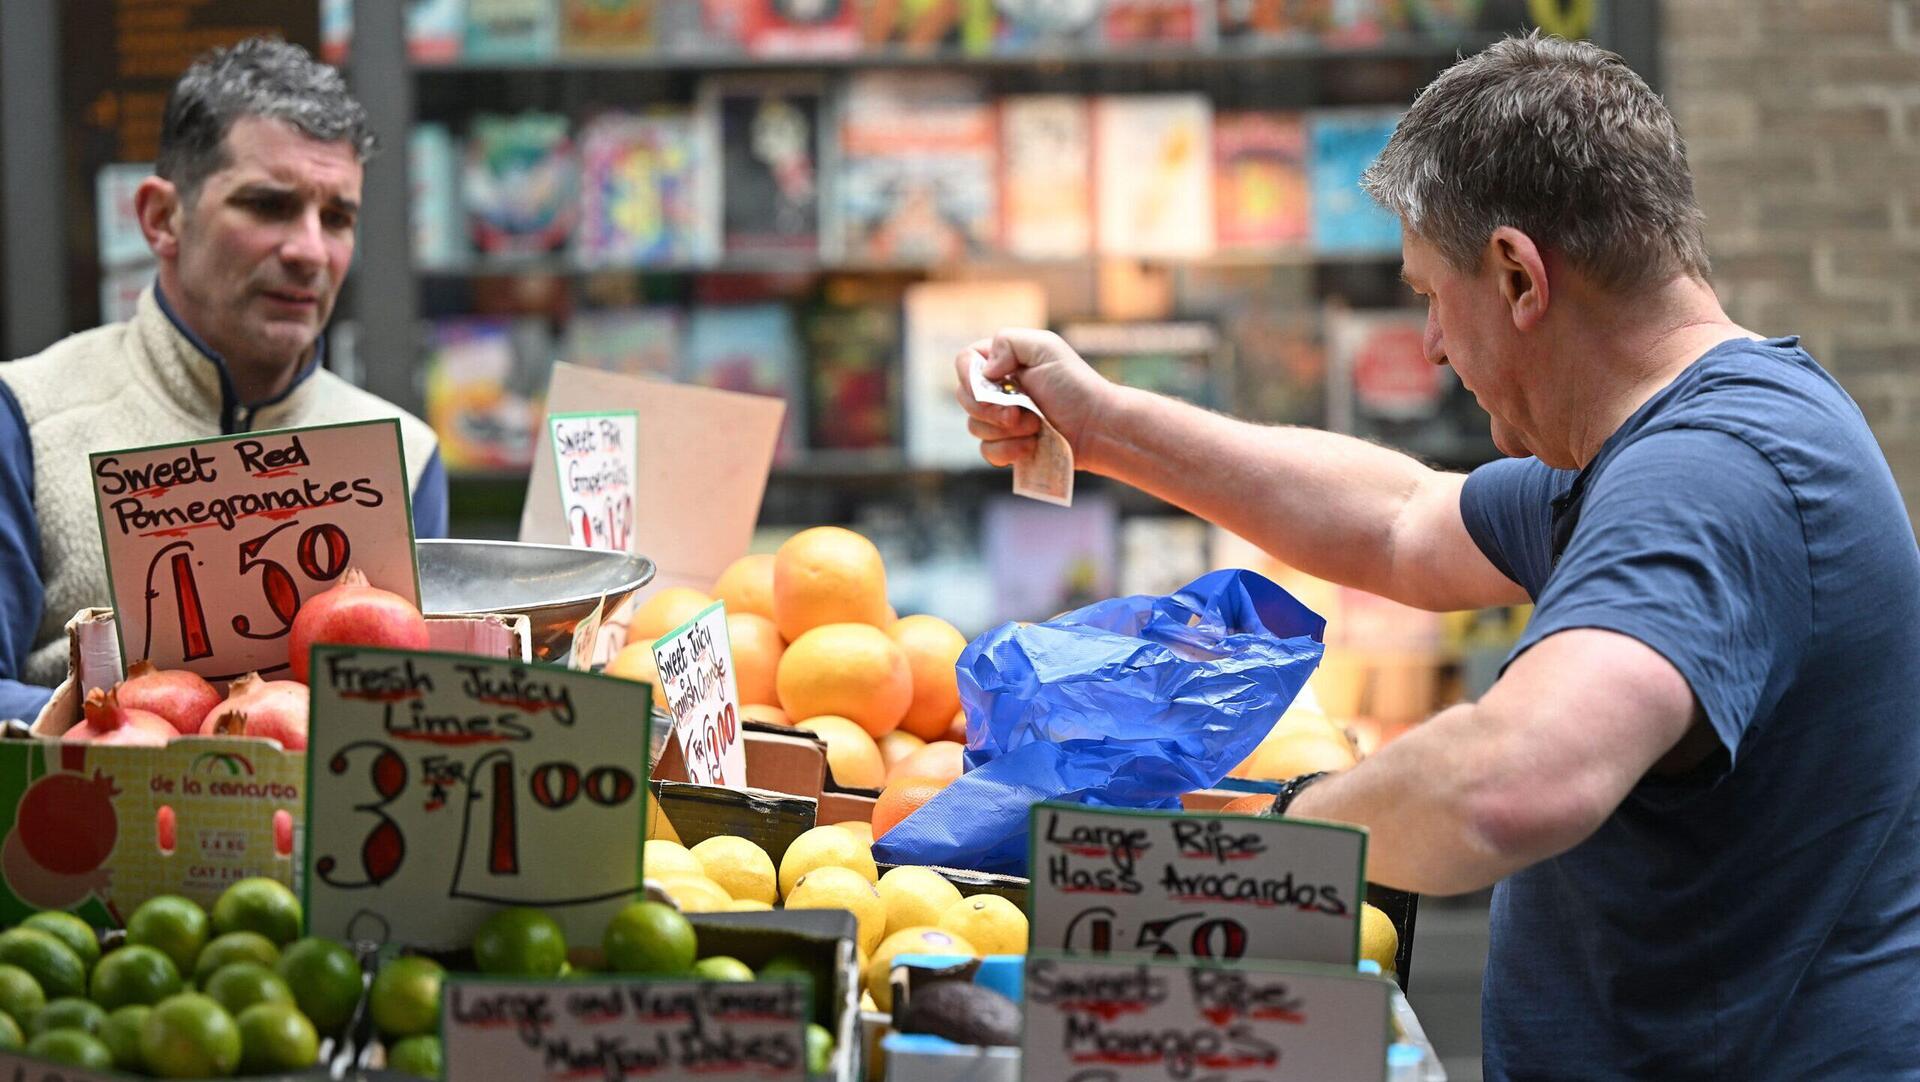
(816, 646)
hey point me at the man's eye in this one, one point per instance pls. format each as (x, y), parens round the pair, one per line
(337, 219)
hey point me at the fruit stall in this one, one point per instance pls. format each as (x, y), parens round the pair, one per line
(377, 808)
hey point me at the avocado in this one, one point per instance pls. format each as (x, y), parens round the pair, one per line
(964, 1013)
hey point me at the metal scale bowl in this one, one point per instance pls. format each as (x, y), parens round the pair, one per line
(554, 586)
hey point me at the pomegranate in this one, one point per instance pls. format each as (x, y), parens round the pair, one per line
(272, 709)
(181, 697)
(66, 821)
(108, 722)
(353, 613)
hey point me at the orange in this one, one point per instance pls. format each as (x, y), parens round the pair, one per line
(747, 585)
(957, 731)
(932, 647)
(772, 715)
(940, 760)
(827, 575)
(897, 745)
(853, 759)
(1295, 754)
(901, 798)
(757, 647)
(853, 670)
(635, 662)
(1251, 804)
(665, 610)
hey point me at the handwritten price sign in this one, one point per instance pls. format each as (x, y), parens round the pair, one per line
(443, 786)
(594, 453)
(1094, 1020)
(212, 546)
(1201, 887)
(696, 669)
(665, 1029)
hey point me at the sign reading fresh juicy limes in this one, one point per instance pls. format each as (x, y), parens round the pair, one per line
(1115, 1020)
(624, 1029)
(213, 545)
(444, 786)
(594, 454)
(696, 671)
(1195, 887)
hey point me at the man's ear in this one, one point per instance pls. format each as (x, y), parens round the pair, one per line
(157, 204)
(1521, 273)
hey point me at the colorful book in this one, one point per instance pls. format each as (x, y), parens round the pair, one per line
(1045, 25)
(751, 348)
(434, 30)
(799, 28)
(1280, 364)
(918, 158)
(1159, 554)
(852, 345)
(521, 183)
(606, 26)
(761, 158)
(1267, 20)
(1342, 145)
(121, 241)
(630, 341)
(637, 197)
(1362, 22)
(1260, 180)
(941, 319)
(1184, 360)
(512, 29)
(1153, 175)
(920, 26)
(482, 395)
(336, 31)
(1046, 162)
(1380, 386)
(1153, 22)
(433, 166)
(1044, 560)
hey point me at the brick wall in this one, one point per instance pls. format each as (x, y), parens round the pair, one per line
(1802, 120)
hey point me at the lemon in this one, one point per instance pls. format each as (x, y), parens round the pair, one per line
(915, 897)
(825, 847)
(834, 887)
(1379, 940)
(859, 828)
(989, 922)
(921, 940)
(742, 868)
(748, 905)
(696, 894)
(660, 859)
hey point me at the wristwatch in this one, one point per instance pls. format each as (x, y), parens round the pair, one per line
(1292, 788)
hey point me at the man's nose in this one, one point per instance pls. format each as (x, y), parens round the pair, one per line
(1431, 342)
(304, 243)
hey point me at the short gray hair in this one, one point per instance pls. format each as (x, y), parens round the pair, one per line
(1558, 139)
(262, 77)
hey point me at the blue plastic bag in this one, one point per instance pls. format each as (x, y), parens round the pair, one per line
(1127, 703)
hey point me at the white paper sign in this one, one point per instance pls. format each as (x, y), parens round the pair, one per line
(594, 454)
(444, 786)
(1186, 886)
(631, 1028)
(213, 545)
(696, 672)
(1107, 1020)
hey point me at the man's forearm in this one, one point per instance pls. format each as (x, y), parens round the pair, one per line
(1321, 502)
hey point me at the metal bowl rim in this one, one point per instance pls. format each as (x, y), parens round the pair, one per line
(647, 571)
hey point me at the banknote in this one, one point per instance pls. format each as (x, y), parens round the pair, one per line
(1047, 473)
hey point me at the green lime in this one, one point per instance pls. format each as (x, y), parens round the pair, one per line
(259, 905)
(69, 1012)
(174, 925)
(134, 974)
(325, 978)
(68, 929)
(243, 984)
(722, 968)
(783, 966)
(50, 962)
(190, 1036)
(73, 1048)
(819, 1049)
(405, 999)
(276, 1037)
(20, 995)
(234, 947)
(417, 1056)
(10, 1036)
(520, 942)
(121, 1034)
(649, 937)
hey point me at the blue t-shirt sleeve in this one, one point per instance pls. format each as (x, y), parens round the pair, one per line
(430, 499)
(22, 596)
(1691, 542)
(1507, 505)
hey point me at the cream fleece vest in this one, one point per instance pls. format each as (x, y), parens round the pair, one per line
(135, 384)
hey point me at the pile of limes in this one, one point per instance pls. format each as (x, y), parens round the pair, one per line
(187, 994)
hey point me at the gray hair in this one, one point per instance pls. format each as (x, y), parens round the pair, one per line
(1558, 139)
(258, 77)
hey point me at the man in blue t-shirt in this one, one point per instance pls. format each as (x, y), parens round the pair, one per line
(1695, 781)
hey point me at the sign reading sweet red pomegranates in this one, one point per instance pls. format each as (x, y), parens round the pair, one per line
(213, 546)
